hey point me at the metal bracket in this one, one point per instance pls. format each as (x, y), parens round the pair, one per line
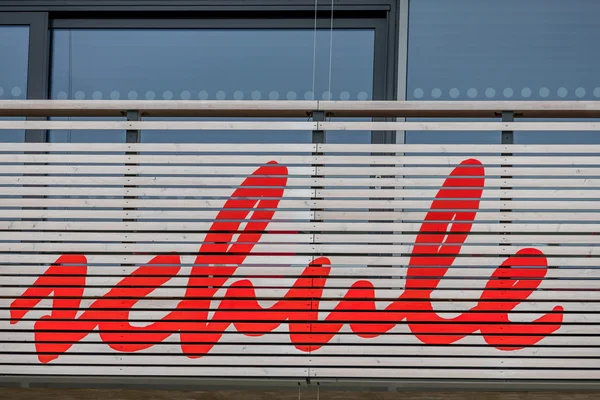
(133, 135)
(508, 136)
(318, 136)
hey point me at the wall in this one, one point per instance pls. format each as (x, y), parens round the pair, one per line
(95, 394)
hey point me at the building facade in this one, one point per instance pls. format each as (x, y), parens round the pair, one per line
(380, 50)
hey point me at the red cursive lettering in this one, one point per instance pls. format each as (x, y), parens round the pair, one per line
(442, 234)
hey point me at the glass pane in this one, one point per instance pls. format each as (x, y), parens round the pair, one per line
(232, 64)
(472, 49)
(14, 50)
(478, 50)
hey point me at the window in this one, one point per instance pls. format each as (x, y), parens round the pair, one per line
(14, 47)
(483, 50)
(192, 60)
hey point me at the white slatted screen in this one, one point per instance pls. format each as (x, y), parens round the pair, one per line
(300, 261)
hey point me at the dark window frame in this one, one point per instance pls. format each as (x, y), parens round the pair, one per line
(378, 25)
(37, 60)
(381, 87)
(190, 5)
(37, 79)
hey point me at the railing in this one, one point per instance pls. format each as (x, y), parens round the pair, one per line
(306, 262)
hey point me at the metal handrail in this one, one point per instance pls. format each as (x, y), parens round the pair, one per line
(299, 109)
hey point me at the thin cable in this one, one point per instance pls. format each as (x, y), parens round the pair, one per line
(330, 52)
(70, 93)
(315, 51)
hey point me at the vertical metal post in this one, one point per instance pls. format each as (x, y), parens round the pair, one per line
(131, 136)
(37, 70)
(37, 81)
(507, 138)
(318, 136)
